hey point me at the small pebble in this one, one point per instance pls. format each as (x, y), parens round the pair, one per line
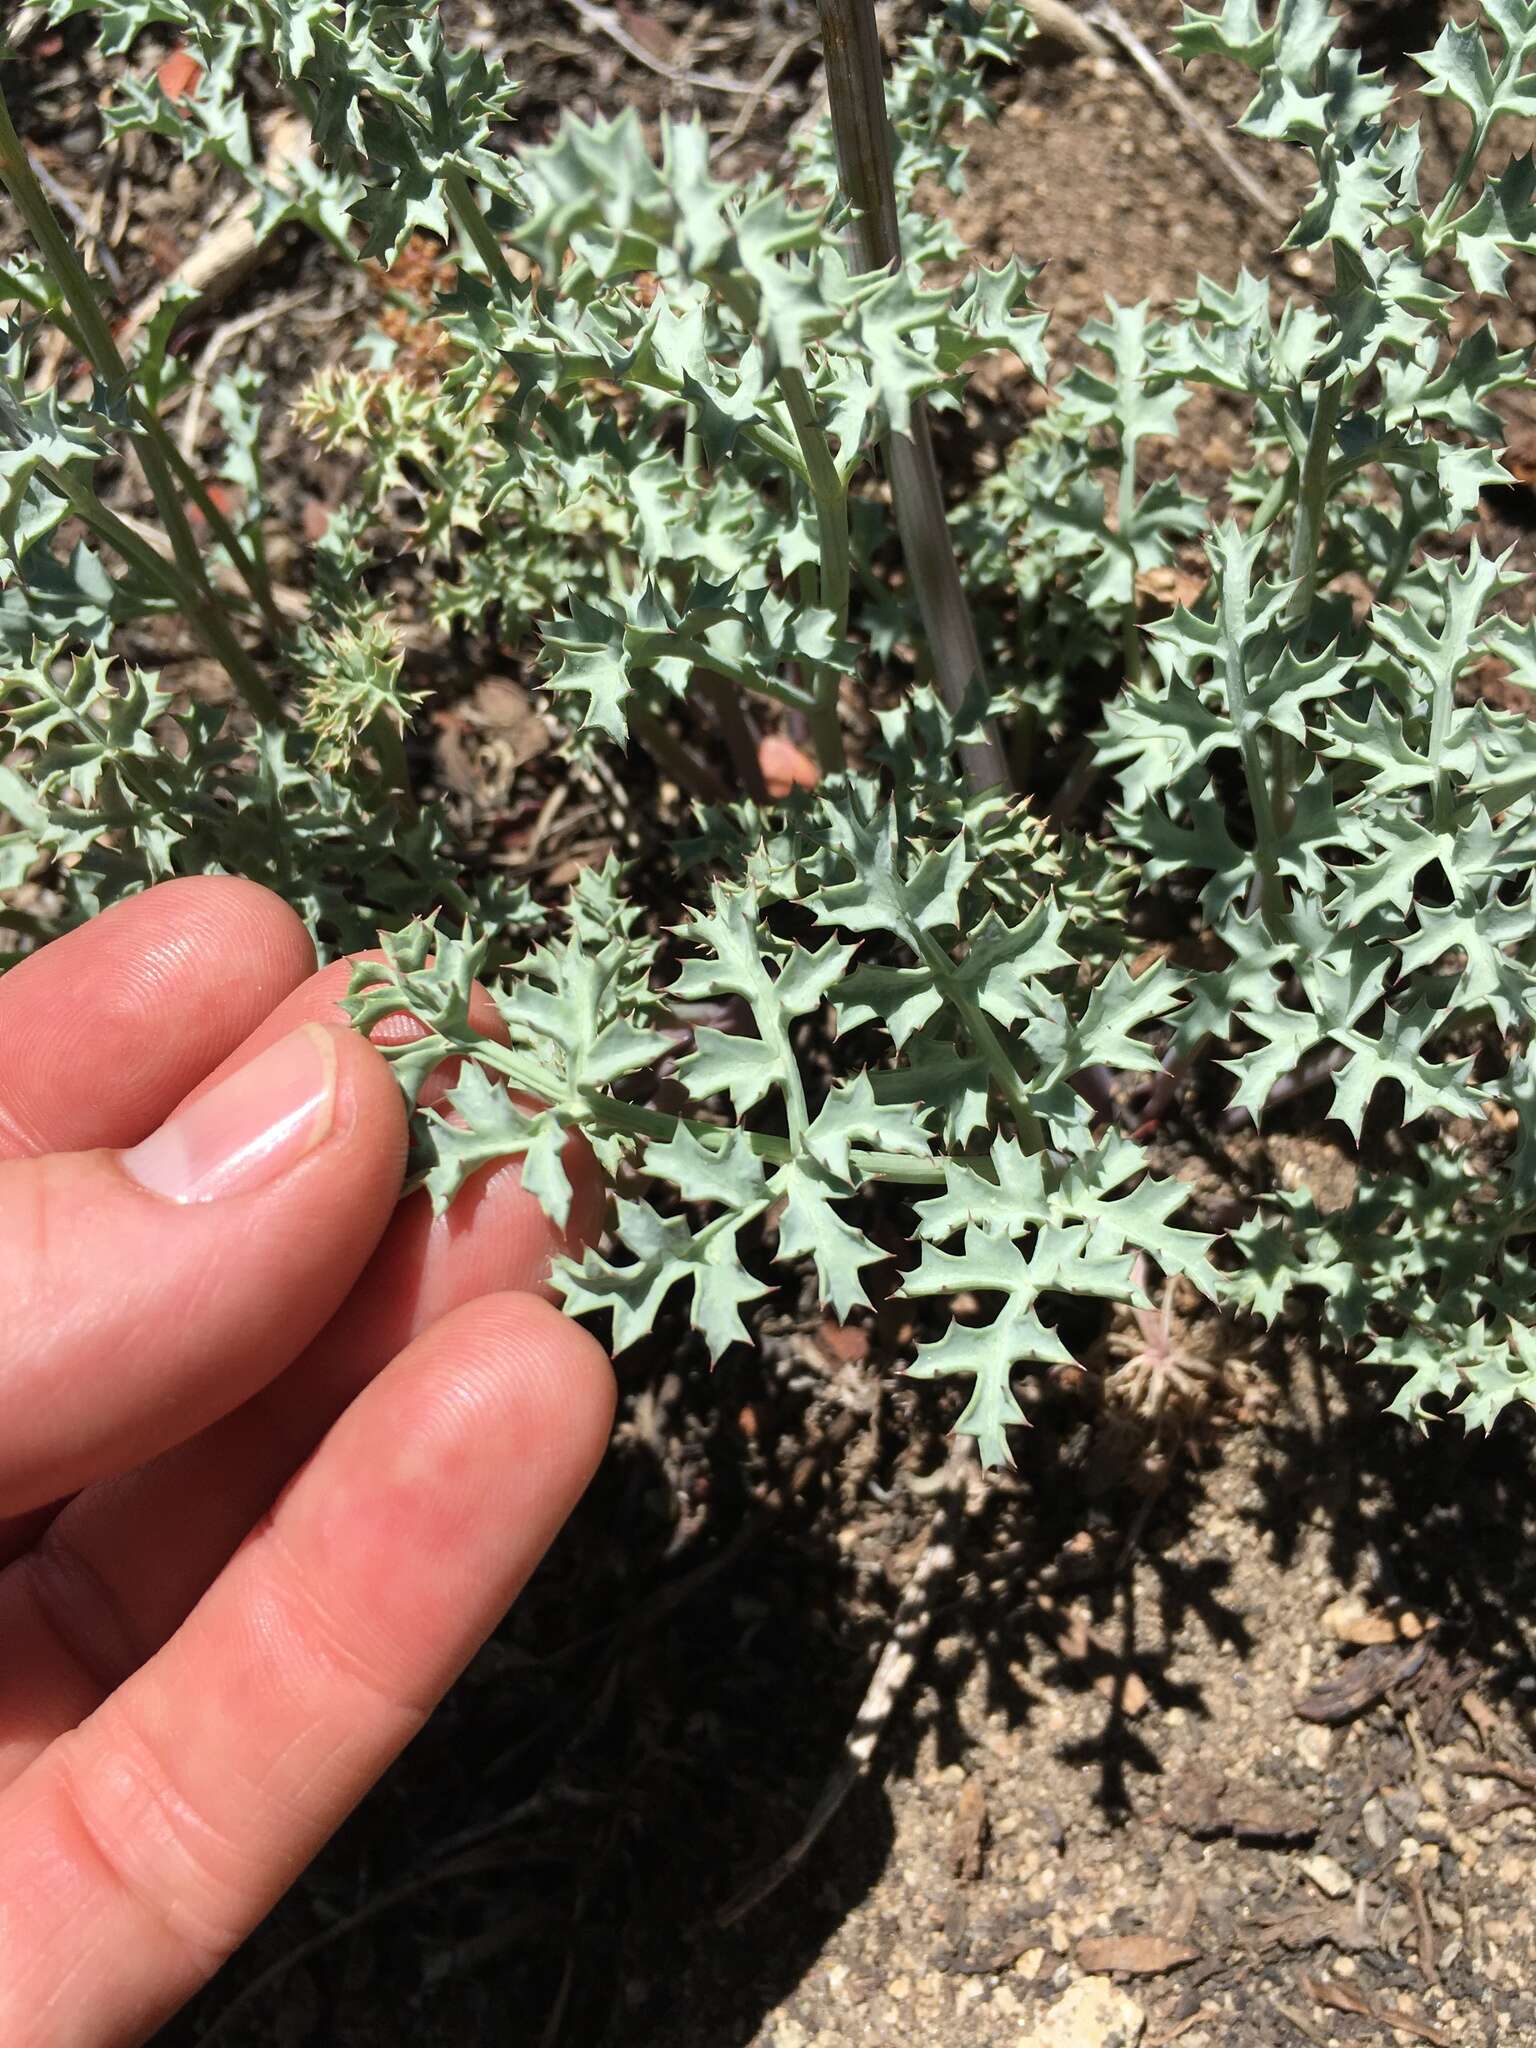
(1373, 1818)
(1329, 1876)
(1314, 1745)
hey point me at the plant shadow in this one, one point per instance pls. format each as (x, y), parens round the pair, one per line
(652, 1727)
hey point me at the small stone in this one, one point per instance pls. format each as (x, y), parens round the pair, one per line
(1351, 1621)
(1329, 1876)
(1373, 1818)
(1314, 1745)
(1093, 2013)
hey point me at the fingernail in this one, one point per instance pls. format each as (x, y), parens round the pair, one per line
(248, 1130)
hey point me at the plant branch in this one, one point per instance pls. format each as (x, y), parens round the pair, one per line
(831, 495)
(1261, 796)
(155, 450)
(634, 1120)
(856, 89)
(477, 231)
(1311, 503)
(818, 469)
(984, 1036)
(250, 569)
(200, 608)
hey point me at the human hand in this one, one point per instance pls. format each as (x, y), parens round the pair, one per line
(275, 1454)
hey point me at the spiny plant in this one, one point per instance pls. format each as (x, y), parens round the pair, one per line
(901, 1019)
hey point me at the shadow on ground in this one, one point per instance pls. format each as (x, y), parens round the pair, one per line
(651, 1728)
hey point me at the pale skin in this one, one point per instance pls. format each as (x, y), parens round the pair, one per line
(276, 1454)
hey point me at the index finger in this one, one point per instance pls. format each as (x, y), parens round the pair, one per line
(105, 1030)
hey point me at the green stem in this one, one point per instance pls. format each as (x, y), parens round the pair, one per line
(252, 567)
(1442, 705)
(701, 655)
(836, 567)
(1263, 799)
(152, 441)
(634, 1120)
(477, 231)
(200, 609)
(821, 471)
(1130, 639)
(1450, 198)
(983, 1035)
(251, 571)
(1311, 504)
(817, 467)
(1305, 560)
(1270, 506)
(630, 1119)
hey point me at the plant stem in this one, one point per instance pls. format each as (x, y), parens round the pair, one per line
(200, 608)
(836, 572)
(637, 1122)
(251, 570)
(250, 566)
(1261, 796)
(1311, 503)
(1270, 506)
(1130, 639)
(1467, 164)
(203, 608)
(702, 655)
(1305, 557)
(477, 230)
(819, 472)
(979, 1028)
(856, 89)
(634, 1120)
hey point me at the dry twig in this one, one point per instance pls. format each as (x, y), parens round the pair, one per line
(1063, 24)
(607, 23)
(1108, 18)
(772, 72)
(222, 335)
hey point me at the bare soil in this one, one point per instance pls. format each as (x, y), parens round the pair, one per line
(1238, 1720)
